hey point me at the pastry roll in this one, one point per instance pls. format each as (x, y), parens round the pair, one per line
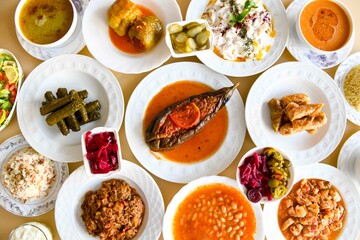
(276, 113)
(298, 98)
(301, 111)
(306, 123)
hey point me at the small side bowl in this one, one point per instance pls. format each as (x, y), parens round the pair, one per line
(21, 77)
(84, 152)
(209, 44)
(259, 150)
(53, 44)
(317, 50)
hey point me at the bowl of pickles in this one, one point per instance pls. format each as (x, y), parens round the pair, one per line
(188, 38)
(265, 174)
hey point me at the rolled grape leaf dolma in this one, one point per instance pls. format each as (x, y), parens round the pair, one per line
(182, 120)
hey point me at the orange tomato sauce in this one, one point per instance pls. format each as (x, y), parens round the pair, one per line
(325, 25)
(124, 43)
(201, 145)
(214, 211)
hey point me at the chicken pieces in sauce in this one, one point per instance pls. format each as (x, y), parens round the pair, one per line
(312, 210)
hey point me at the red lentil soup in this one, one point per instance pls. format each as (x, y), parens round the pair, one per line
(214, 211)
(325, 25)
(123, 43)
(203, 144)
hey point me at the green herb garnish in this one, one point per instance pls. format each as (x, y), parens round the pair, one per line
(238, 18)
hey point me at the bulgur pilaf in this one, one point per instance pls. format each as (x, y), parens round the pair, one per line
(352, 87)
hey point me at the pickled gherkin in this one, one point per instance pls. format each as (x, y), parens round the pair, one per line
(191, 37)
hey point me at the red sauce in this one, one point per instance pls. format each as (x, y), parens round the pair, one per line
(123, 43)
(203, 144)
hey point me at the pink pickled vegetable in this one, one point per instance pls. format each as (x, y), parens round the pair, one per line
(102, 152)
(254, 175)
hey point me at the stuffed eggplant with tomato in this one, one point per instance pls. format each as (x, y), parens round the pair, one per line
(182, 120)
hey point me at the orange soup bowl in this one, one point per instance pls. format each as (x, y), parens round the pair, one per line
(46, 23)
(325, 26)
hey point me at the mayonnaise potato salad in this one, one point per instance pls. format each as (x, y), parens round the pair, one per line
(243, 29)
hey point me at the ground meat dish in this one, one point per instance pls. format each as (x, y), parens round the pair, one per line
(114, 212)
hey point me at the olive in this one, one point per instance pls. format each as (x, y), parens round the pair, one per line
(191, 25)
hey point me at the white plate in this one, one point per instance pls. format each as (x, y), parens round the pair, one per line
(96, 34)
(33, 208)
(187, 189)
(343, 69)
(73, 45)
(68, 205)
(343, 184)
(241, 69)
(150, 86)
(349, 159)
(301, 52)
(290, 78)
(73, 72)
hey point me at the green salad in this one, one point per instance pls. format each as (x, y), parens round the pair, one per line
(9, 77)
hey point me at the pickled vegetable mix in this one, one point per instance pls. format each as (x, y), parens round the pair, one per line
(102, 152)
(265, 175)
(9, 77)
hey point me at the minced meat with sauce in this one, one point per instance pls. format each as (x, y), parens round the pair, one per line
(114, 212)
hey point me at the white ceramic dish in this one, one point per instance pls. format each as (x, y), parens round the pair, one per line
(68, 205)
(243, 69)
(150, 86)
(259, 150)
(73, 72)
(349, 159)
(289, 78)
(187, 189)
(101, 47)
(343, 69)
(301, 52)
(174, 53)
(343, 184)
(33, 208)
(73, 45)
(21, 77)
(86, 160)
(49, 45)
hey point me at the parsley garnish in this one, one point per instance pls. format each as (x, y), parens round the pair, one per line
(238, 18)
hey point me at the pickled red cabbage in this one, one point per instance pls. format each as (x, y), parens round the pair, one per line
(102, 152)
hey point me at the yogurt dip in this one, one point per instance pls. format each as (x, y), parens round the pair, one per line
(31, 231)
(250, 39)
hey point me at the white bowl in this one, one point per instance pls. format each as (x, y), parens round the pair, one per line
(317, 50)
(259, 150)
(21, 76)
(209, 45)
(86, 161)
(53, 44)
